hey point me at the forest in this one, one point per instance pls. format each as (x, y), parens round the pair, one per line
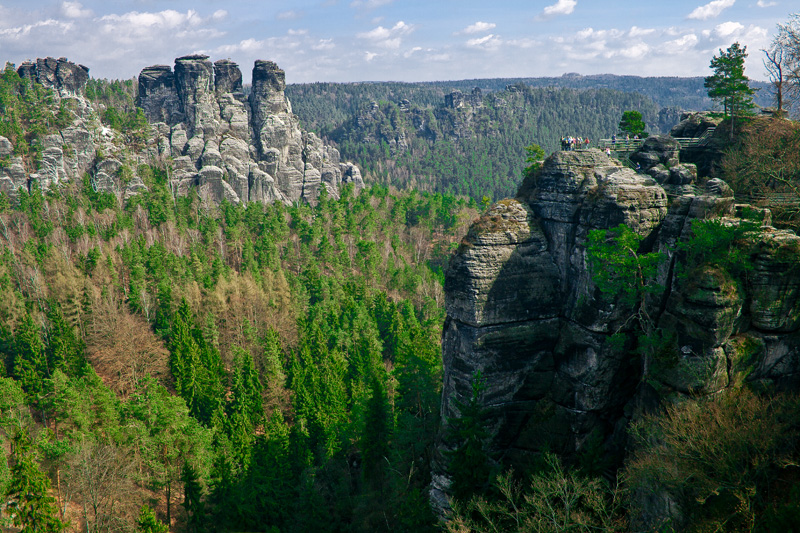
(278, 368)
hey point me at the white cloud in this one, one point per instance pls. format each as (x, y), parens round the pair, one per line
(726, 29)
(711, 9)
(411, 52)
(75, 10)
(387, 37)
(635, 31)
(297, 32)
(681, 44)
(561, 7)
(219, 14)
(762, 3)
(369, 56)
(51, 26)
(479, 27)
(324, 44)
(488, 41)
(634, 51)
(246, 45)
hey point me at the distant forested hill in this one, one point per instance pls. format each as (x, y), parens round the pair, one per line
(471, 144)
(325, 105)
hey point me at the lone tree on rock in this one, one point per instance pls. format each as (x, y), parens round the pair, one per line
(728, 84)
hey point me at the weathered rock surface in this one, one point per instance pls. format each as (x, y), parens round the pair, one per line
(216, 140)
(65, 77)
(523, 310)
(257, 143)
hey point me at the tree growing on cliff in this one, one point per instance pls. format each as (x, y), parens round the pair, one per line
(729, 85)
(783, 63)
(620, 268)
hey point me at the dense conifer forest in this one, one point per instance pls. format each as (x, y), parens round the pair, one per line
(170, 366)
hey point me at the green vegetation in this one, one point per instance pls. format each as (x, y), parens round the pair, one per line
(729, 462)
(762, 165)
(28, 112)
(475, 151)
(301, 343)
(729, 85)
(632, 124)
(553, 500)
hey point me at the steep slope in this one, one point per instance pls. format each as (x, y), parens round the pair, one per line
(525, 313)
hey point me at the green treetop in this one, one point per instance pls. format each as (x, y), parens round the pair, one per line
(728, 84)
(632, 124)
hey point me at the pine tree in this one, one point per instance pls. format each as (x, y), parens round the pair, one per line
(377, 433)
(192, 499)
(32, 508)
(30, 360)
(729, 84)
(149, 523)
(469, 462)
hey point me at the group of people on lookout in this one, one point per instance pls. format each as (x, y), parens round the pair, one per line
(574, 143)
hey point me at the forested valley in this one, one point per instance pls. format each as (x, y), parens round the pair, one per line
(173, 366)
(239, 368)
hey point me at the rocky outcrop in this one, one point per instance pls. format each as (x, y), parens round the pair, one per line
(61, 75)
(64, 155)
(524, 312)
(659, 157)
(706, 155)
(256, 142)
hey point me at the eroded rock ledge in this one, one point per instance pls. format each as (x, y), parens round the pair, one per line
(523, 311)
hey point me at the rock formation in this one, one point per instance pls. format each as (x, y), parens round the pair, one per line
(253, 147)
(522, 310)
(221, 143)
(66, 154)
(65, 77)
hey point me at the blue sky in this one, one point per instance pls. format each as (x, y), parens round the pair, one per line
(401, 40)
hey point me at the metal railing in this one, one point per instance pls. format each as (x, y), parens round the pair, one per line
(631, 145)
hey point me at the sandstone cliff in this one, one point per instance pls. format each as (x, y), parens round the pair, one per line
(522, 309)
(202, 129)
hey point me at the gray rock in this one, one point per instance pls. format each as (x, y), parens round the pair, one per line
(227, 77)
(523, 310)
(158, 95)
(258, 142)
(61, 75)
(6, 148)
(212, 187)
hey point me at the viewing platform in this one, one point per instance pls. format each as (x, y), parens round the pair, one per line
(631, 145)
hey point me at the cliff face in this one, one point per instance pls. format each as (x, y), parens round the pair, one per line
(522, 309)
(213, 138)
(231, 146)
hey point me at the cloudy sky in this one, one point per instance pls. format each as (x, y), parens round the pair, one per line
(402, 40)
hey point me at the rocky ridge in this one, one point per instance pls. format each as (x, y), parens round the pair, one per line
(523, 311)
(235, 147)
(202, 128)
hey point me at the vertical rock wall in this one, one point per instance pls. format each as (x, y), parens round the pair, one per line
(237, 148)
(522, 310)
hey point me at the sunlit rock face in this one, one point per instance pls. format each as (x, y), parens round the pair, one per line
(524, 312)
(255, 141)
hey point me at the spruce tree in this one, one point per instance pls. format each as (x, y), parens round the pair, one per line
(728, 84)
(31, 507)
(469, 462)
